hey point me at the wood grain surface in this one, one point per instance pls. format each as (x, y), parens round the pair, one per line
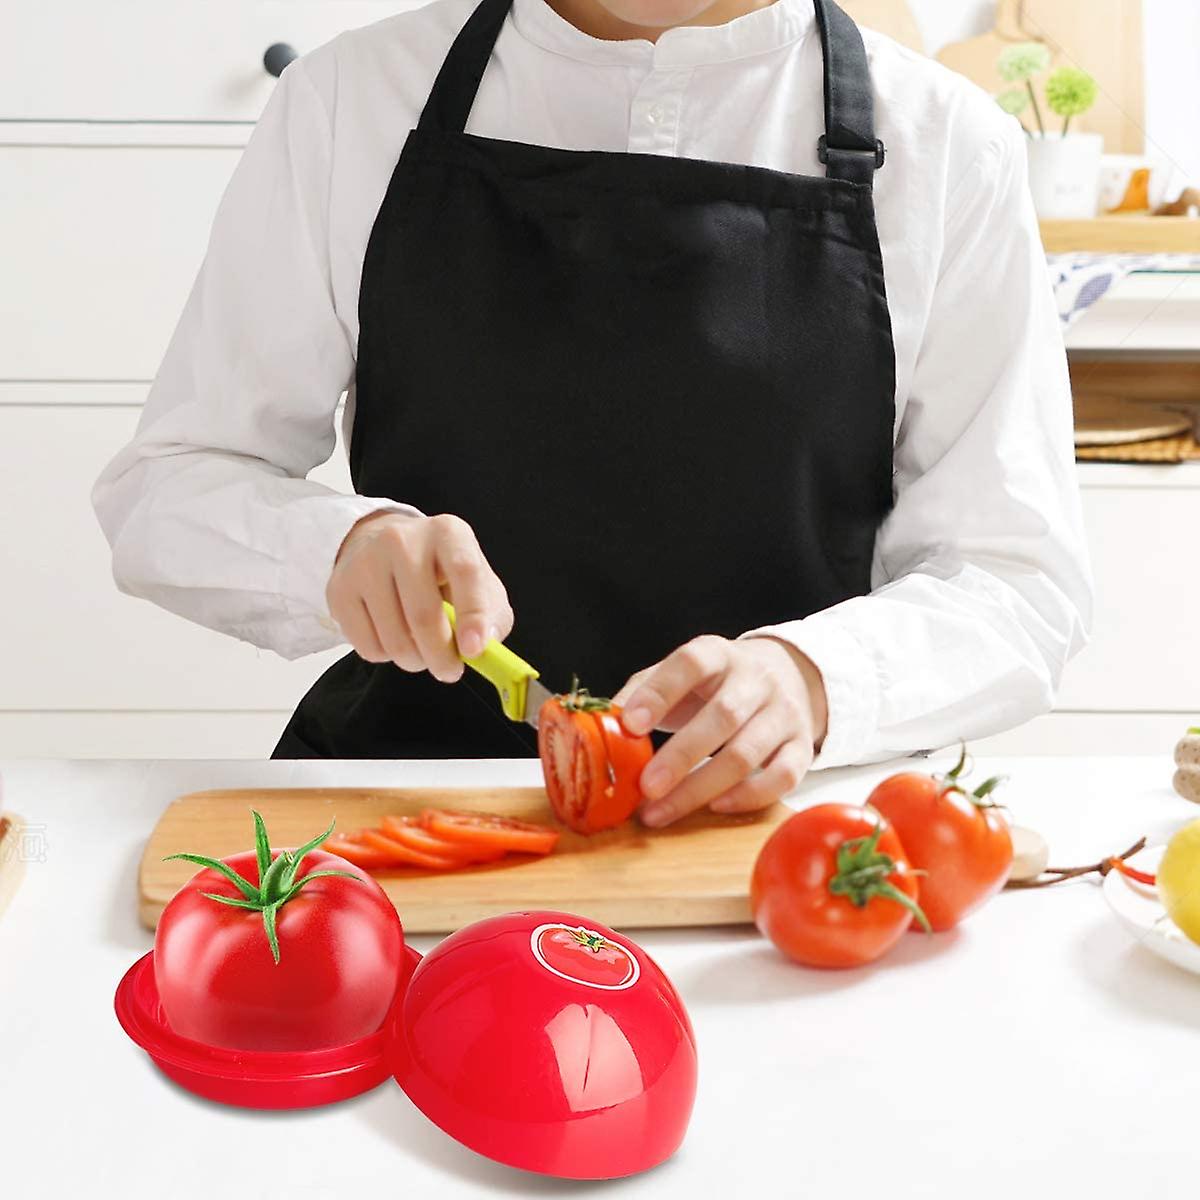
(12, 865)
(696, 872)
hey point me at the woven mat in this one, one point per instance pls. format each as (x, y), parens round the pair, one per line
(1160, 450)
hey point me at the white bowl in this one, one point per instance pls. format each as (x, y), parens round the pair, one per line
(1139, 909)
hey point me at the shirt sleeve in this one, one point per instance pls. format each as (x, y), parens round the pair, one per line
(207, 509)
(982, 587)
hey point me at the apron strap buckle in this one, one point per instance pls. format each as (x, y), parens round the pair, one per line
(824, 151)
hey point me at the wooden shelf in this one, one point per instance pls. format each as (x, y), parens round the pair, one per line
(1123, 235)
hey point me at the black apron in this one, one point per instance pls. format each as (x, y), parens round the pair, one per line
(660, 390)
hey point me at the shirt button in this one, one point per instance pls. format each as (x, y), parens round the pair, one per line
(655, 113)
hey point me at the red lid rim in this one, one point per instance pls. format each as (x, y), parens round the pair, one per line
(166, 1047)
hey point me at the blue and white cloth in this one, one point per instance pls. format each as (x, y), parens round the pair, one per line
(1080, 279)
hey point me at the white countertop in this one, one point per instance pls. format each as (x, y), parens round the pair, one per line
(1036, 1051)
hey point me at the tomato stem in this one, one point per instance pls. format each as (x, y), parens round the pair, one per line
(1053, 875)
(579, 699)
(862, 874)
(979, 797)
(277, 880)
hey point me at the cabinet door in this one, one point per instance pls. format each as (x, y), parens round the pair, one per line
(100, 248)
(1145, 650)
(137, 60)
(69, 639)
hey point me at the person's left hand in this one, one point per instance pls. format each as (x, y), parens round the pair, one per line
(758, 706)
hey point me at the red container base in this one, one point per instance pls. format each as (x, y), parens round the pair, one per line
(247, 1078)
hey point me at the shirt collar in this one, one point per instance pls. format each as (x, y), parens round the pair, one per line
(756, 32)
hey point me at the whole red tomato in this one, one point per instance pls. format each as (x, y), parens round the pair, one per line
(591, 763)
(833, 888)
(303, 953)
(959, 839)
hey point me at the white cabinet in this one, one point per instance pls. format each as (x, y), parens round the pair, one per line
(100, 247)
(1145, 649)
(69, 641)
(156, 60)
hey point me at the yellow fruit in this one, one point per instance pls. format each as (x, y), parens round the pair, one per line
(1179, 880)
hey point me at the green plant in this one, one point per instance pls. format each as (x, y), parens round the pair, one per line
(1070, 92)
(1019, 64)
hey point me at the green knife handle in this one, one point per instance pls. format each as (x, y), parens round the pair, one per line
(506, 671)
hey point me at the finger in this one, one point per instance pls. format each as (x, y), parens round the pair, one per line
(753, 743)
(679, 716)
(630, 684)
(387, 618)
(781, 774)
(738, 699)
(670, 680)
(427, 621)
(355, 622)
(473, 586)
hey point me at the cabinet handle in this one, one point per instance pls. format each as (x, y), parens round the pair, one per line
(277, 57)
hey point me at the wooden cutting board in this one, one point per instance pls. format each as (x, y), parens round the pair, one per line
(696, 872)
(12, 865)
(1104, 37)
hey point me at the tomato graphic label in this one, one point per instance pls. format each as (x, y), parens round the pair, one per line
(584, 956)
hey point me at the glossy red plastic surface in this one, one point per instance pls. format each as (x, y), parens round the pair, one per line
(548, 1042)
(253, 1079)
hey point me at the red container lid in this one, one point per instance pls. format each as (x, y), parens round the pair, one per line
(539, 1039)
(548, 1042)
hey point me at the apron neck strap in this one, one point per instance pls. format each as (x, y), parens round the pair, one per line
(848, 147)
(453, 93)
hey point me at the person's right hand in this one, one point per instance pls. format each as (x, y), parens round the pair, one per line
(386, 590)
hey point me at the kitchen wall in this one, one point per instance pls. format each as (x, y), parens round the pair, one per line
(1172, 67)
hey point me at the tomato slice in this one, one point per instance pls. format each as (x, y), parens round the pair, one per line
(351, 847)
(406, 856)
(490, 831)
(409, 831)
(591, 763)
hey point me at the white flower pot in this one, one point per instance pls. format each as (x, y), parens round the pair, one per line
(1064, 175)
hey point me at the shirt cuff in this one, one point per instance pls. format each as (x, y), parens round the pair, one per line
(316, 530)
(851, 683)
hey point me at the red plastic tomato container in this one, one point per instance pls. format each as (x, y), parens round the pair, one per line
(253, 1079)
(548, 1042)
(542, 1040)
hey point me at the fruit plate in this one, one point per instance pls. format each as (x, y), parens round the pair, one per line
(1139, 909)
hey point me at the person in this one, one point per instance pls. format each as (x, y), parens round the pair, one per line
(704, 350)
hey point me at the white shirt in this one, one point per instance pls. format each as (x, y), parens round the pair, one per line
(981, 584)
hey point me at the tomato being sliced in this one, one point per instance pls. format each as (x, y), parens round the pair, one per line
(487, 830)
(590, 762)
(411, 832)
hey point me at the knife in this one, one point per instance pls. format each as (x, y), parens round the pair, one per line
(521, 696)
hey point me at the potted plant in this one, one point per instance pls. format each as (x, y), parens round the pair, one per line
(1064, 168)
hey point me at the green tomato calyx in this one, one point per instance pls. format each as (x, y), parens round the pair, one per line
(979, 797)
(863, 872)
(277, 879)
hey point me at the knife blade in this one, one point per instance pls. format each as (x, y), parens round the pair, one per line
(516, 682)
